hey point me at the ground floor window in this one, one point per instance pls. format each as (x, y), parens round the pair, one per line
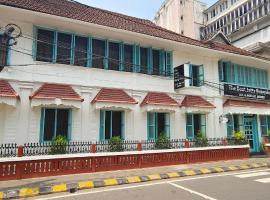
(265, 125)
(158, 124)
(55, 122)
(235, 123)
(195, 124)
(112, 124)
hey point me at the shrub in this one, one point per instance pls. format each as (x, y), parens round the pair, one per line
(239, 138)
(201, 140)
(59, 144)
(262, 148)
(115, 144)
(163, 142)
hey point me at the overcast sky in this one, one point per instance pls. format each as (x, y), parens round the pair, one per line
(138, 8)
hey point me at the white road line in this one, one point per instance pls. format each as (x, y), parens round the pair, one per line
(141, 185)
(252, 174)
(192, 191)
(263, 180)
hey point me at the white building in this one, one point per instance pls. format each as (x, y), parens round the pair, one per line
(245, 22)
(181, 16)
(91, 74)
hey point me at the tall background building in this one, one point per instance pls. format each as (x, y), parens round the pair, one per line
(246, 23)
(182, 16)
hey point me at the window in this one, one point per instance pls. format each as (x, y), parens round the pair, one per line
(45, 41)
(242, 75)
(196, 74)
(3, 51)
(195, 124)
(111, 124)
(80, 53)
(98, 49)
(114, 55)
(158, 123)
(265, 125)
(143, 60)
(234, 124)
(156, 62)
(64, 48)
(55, 122)
(128, 57)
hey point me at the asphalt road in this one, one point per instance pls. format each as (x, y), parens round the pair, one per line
(244, 185)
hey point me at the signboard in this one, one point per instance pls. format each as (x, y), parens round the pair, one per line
(179, 80)
(246, 92)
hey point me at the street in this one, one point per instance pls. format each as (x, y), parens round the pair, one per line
(247, 185)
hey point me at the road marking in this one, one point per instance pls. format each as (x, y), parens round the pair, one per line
(263, 180)
(143, 185)
(252, 174)
(192, 191)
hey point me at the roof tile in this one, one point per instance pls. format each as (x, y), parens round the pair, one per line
(157, 98)
(196, 101)
(56, 91)
(74, 10)
(6, 90)
(240, 103)
(113, 96)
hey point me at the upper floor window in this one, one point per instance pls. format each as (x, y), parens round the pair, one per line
(242, 75)
(64, 48)
(3, 50)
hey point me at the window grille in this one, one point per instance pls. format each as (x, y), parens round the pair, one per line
(80, 51)
(45, 40)
(64, 48)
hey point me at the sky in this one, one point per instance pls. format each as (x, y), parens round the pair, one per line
(145, 9)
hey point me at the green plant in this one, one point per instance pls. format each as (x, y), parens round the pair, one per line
(115, 144)
(59, 144)
(262, 148)
(239, 138)
(201, 140)
(163, 142)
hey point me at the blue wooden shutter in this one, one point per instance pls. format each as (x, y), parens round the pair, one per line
(169, 63)
(230, 126)
(137, 58)
(190, 75)
(106, 58)
(161, 62)
(151, 126)
(89, 52)
(70, 124)
(167, 124)
(102, 125)
(121, 56)
(190, 126)
(123, 125)
(201, 75)
(42, 118)
(72, 49)
(203, 124)
(220, 71)
(150, 60)
(54, 56)
(264, 125)
(34, 46)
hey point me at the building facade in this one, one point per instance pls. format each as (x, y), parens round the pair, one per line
(245, 22)
(90, 74)
(181, 16)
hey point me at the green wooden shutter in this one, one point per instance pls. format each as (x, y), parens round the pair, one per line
(167, 124)
(151, 126)
(169, 63)
(89, 52)
(241, 122)
(150, 61)
(102, 125)
(137, 58)
(106, 58)
(190, 75)
(123, 125)
(161, 62)
(264, 125)
(220, 71)
(34, 46)
(190, 126)
(72, 49)
(42, 118)
(203, 124)
(55, 41)
(70, 124)
(201, 75)
(121, 56)
(230, 126)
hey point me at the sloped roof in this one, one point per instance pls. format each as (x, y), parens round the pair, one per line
(196, 101)
(74, 10)
(56, 91)
(113, 96)
(242, 103)
(157, 98)
(6, 90)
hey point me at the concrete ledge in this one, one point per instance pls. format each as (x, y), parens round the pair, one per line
(89, 184)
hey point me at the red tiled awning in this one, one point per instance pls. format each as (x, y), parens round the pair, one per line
(6, 90)
(107, 95)
(159, 99)
(56, 91)
(239, 103)
(196, 101)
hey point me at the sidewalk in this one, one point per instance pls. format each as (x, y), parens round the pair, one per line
(48, 181)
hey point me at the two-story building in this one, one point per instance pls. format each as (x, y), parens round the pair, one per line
(91, 74)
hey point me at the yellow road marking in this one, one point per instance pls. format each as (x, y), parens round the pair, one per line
(59, 188)
(1, 195)
(233, 168)
(205, 171)
(154, 177)
(108, 182)
(218, 169)
(134, 179)
(27, 192)
(189, 172)
(86, 184)
(244, 167)
(173, 174)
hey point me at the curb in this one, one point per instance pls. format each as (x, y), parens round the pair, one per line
(73, 187)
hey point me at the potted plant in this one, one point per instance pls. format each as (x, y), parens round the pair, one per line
(163, 142)
(239, 138)
(201, 140)
(59, 144)
(115, 144)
